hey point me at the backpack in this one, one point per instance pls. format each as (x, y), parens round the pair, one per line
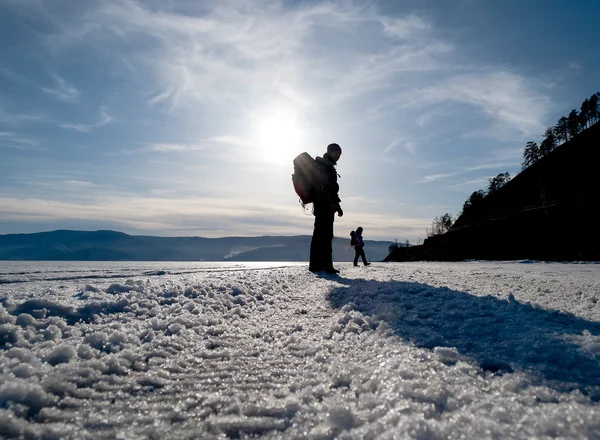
(352, 238)
(305, 178)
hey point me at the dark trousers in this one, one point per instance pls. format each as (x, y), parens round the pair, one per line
(321, 253)
(359, 252)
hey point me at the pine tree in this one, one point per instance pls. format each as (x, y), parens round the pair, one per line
(495, 183)
(549, 142)
(531, 154)
(594, 111)
(561, 130)
(584, 113)
(573, 124)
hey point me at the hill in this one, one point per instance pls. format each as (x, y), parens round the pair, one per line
(67, 245)
(547, 212)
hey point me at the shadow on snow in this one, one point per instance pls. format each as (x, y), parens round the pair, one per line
(501, 335)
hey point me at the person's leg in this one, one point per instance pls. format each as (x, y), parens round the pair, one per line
(320, 245)
(316, 245)
(356, 255)
(364, 258)
(328, 233)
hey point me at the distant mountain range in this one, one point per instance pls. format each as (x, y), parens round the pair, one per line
(66, 245)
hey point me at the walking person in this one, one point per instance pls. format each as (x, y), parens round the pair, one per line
(359, 247)
(326, 204)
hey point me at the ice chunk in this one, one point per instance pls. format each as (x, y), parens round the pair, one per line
(235, 426)
(342, 418)
(25, 393)
(61, 354)
(120, 288)
(25, 319)
(97, 340)
(52, 333)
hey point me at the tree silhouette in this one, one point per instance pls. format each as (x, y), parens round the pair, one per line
(446, 220)
(584, 113)
(573, 123)
(549, 142)
(474, 200)
(566, 128)
(495, 183)
(561, 130)
(440, 225)
(593, 109)
(531, 154)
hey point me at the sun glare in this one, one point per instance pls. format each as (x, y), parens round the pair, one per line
(279, 137)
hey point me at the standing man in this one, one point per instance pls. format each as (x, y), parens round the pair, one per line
(326, 204)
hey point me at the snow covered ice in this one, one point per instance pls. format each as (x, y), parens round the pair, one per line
(210, 350)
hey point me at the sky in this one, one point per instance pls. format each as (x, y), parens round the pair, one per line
(182, 117)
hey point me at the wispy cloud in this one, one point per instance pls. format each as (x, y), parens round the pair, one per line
(405, 28)
(103, 119)
(62, 90)
(212, 57)
(506, 97)
(211, 71)
(19, 142)
(81, 184)
(63, 183)
(238, 52)
(492, 166)
(7, 73)
(473, 183)
(405, 143)
(170, 147)
(230, 148)
(17, 118)
(435, 177)
(169, 213)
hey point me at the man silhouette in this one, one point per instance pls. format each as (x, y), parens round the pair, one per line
(326, 203)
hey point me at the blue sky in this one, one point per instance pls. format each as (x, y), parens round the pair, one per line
(182, 117)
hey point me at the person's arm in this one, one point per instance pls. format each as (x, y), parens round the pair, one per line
(329, 189)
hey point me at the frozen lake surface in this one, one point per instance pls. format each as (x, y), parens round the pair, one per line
(216, 350)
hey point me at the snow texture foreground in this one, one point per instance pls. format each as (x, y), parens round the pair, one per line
(411, 350)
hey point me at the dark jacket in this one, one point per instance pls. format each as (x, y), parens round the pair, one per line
(359, 240)
(328, 186)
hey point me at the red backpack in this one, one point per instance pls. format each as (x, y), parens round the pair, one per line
(305, 178)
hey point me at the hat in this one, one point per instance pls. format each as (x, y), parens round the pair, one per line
(333, 147)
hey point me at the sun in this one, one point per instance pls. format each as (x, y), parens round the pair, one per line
(278, 137)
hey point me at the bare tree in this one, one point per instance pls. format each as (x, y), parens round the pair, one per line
(440, 225)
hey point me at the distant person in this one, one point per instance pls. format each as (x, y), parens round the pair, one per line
(359, 246)
(326, 203)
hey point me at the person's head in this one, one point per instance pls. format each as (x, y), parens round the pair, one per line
(334, 151)
(359, 230)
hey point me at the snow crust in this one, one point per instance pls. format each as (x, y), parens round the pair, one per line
(205, 350)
